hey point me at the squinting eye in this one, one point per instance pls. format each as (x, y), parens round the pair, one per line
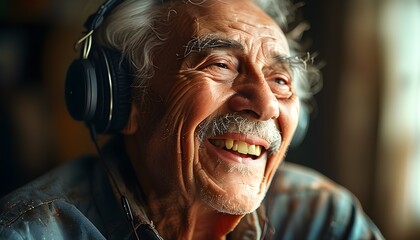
(221, 69)
(221, 65)
(280, 81)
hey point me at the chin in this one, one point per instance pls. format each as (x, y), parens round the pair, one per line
(231, 187)
(239, 202)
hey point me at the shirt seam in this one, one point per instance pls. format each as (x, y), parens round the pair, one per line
(8, 222)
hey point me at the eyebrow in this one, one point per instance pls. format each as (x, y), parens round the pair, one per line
(297, 62)
(200, 44)
(211, 41)
(282, 58)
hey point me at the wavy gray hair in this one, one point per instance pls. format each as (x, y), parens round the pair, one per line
(130, 29)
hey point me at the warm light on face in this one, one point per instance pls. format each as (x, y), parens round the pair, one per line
(230, 110)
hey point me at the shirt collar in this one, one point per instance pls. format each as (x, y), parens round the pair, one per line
(123, 182)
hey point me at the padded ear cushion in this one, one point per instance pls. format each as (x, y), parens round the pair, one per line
(81, 90)
(115, 100)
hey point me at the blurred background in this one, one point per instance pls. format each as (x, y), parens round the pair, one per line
(365, 127)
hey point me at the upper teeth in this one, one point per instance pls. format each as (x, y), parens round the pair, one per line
(238, 146)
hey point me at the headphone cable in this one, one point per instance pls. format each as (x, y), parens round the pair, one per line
(124, 201)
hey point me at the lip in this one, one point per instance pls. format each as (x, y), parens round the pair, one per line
(215, 152)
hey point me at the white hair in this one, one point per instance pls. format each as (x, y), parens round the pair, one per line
(131, 29)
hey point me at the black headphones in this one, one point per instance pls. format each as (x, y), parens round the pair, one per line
(97, 88)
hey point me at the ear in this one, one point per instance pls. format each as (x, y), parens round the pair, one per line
(132, 125)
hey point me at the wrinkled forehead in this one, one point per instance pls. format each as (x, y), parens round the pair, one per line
(239, 20)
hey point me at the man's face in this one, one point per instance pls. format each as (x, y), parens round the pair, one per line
(227, 109)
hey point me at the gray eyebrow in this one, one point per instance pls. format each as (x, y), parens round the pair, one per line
(296, 62)
(211, 41)
(199, 44)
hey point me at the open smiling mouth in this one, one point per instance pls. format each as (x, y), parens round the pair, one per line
(240, 148)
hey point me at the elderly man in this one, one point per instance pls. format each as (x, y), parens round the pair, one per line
(214, 106)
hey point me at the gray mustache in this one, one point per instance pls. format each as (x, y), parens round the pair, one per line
(237, 123)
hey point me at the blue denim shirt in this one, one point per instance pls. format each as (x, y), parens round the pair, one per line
(78, 201)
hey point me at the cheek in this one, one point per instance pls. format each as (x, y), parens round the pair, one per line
(189, 103)
(288, 120)
(192, 101)
(186, 104)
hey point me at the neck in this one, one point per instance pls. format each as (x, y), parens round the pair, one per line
(192, 221)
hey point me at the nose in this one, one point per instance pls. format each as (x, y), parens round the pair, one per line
(255, 99)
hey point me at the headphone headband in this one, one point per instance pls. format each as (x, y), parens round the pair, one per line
(95, 20)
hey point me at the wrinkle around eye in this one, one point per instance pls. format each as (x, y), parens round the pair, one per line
(281, 90)
(284, 91)
(221, 71)
(220, 65)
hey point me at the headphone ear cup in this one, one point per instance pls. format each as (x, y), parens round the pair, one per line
(81, 90)
(97, 90)
(114, 91)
